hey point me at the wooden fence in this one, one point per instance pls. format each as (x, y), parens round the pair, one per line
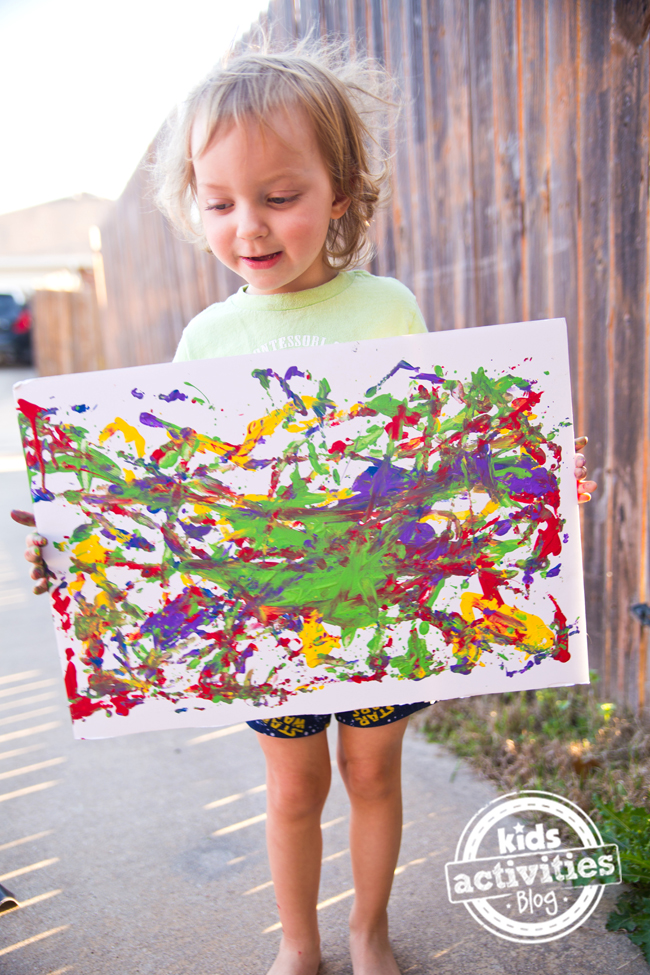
(520, 191)
(68, 330)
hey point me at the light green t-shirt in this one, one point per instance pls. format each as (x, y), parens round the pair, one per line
(354, 305)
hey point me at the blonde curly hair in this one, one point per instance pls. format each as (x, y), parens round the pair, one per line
(349, 101)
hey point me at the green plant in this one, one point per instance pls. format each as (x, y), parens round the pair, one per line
(629, 828)
(562, 739)
(566, 741)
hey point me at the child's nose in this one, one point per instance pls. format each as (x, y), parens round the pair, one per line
(251, 224)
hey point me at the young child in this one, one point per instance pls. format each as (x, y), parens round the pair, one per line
(269, 166)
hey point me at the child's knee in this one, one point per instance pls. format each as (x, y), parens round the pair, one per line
(370, 781)
(297, 796)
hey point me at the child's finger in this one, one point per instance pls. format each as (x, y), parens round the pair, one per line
(581, 442)
(33, 554)
(35, 541)
(23, 517)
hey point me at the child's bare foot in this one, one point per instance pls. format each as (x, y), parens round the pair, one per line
(372, 955)
(291, 960)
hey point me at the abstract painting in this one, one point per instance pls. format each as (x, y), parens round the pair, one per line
(310, 530)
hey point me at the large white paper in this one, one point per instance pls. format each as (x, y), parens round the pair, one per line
(311, 530)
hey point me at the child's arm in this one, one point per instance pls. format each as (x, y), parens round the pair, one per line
(35, 542)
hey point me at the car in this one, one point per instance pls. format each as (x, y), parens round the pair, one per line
(15, 330)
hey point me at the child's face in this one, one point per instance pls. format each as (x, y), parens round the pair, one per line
(266, 201)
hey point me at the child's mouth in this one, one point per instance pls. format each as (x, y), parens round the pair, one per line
(264, 261)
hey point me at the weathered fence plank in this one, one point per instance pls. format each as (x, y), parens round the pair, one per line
(420, 173)
(484, 169)
(628, 286)
(533, 133)
(595, 120)
(67, 331)
(507, 159)
(402, 215)
(563, 123)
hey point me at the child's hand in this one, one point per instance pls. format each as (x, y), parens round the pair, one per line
(40, 572)
(585, 488)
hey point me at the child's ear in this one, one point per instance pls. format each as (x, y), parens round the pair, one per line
(340, 204)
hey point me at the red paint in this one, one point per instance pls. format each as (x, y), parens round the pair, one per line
(548, 541)
(536, 453)
(394, 427)
(32, 412)
(70, 676)
(123, 704)
(60, 605)
(80, 707)
(562, 653)
(146, 571)
(490, 586)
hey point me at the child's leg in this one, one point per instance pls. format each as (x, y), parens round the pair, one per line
(370, 764)
(298, 778)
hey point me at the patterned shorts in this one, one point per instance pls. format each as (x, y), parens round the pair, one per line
(303, 725)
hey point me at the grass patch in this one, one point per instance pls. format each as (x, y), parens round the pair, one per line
(562, 739)
(629, 828)
(565, 740)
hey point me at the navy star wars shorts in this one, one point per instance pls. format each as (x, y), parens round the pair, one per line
(303, 725)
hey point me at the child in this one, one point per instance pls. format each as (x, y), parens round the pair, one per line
(269, 167)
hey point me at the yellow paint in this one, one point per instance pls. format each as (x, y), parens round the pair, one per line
(329, 496)
(434, 516)
(90, 550)
(130, 434)
(245, 498)
(313, 684)
(78, 583)
(299, 425)
(264, 427)
(444, 516)
(202, 509)
(504, 621)
(256, 429)
(413, 444)
(490, 508)
(128, 475)
(316, 641)
(103, 599)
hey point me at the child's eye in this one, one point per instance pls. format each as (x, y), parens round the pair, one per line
(278, 200)
(218, 206)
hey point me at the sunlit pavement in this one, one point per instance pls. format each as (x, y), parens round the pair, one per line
(145, 854)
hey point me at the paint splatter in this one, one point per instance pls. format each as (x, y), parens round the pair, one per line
(397, 536)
